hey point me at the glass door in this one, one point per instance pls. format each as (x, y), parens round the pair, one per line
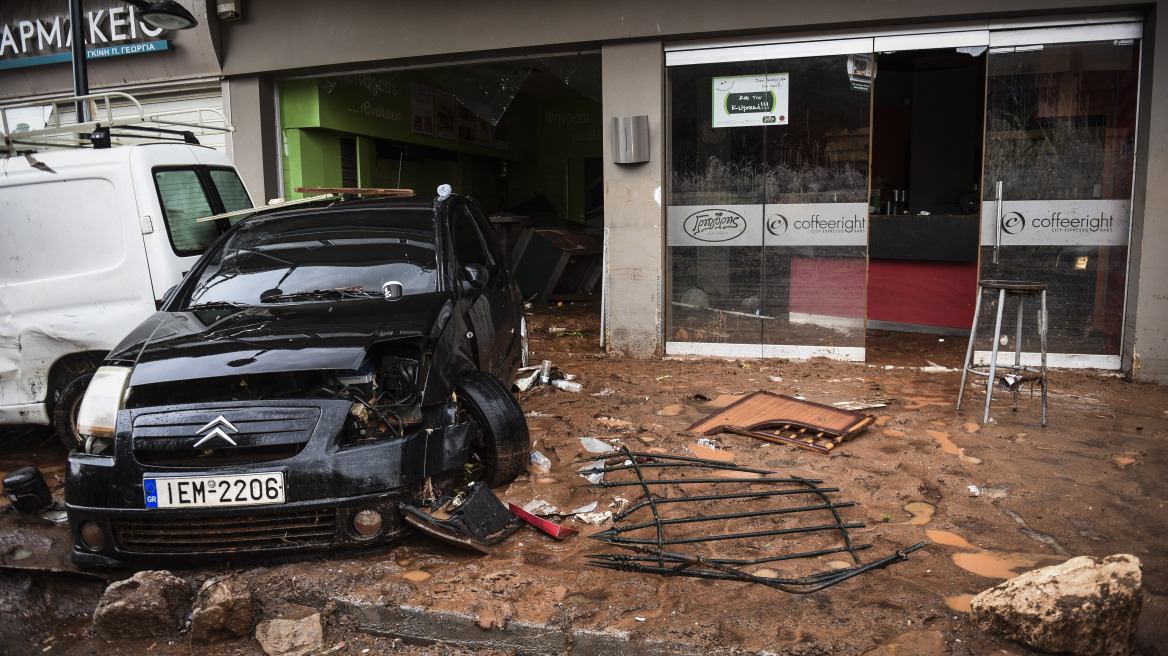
(1059, 156)
(767, 199)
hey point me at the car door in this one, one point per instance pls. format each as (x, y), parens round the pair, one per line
(488, 311)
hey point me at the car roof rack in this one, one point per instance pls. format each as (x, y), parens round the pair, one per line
(325, 193)
(104, 129)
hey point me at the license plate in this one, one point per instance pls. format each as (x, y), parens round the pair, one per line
(214, 491)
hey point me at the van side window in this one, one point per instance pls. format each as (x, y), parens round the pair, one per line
(183, 203)
(231, 190)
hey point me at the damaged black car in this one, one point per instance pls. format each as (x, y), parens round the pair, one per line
(317, 367)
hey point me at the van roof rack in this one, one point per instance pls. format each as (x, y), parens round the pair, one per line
(104, 128)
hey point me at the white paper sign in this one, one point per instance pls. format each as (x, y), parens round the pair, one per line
(1056, 223)
(808, 224)
(748, 100)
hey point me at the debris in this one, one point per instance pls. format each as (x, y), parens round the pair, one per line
(545, 373)
(540, 462)
(27, 491)
(594, 518)
(555, 530)
(586, 508)
(605, 392)
(973, 491)
(737, 546)
(862, 404)
(1086, 606)
(537, 413)
(593, 445)
(298, 634)
(477, 523)
(619, 424)
(567, 385)
(223, 610)
(810, 426)
(147, 605)
(524, 383)
(538, 506)
(595, 472)
(639, 619)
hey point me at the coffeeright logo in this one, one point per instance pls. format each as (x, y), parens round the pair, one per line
(714, 225)
(777, 225)
(1015, 222)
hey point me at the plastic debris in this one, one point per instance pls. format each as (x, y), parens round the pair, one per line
(593, 445)
(538, 506)
(609, 392)
(567, 385)
(551, 528)
(524, 383)
(594, 472)
(974, 491)
(545, 374)
(594, 518)
(540, 462)
(586, 508)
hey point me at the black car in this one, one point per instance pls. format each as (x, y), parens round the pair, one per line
(318, 366)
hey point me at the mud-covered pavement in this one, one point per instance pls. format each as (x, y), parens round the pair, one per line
(1090, 483)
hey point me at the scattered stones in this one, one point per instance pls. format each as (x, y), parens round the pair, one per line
(150, 604)
(223, 610)
(1086, 606)
(295, 634)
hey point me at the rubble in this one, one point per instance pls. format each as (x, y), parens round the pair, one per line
(297, 634)
(150, 604)
(223, 610)
(1086, 605)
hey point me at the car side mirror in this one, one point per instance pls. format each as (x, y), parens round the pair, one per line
(477, 275)
(169, 294)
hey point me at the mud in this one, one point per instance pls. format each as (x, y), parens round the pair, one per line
(1093, 481)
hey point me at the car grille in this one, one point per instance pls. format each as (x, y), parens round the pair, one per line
(262, 434)
(296, 529)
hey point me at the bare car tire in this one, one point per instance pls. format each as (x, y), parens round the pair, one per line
(502, 440)
(65, 410)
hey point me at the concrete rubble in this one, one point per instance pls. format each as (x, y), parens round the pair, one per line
(223, 610)
(1086, 605)
(148, 604)
(297, 633)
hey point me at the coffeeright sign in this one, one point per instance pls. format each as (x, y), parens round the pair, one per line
(804, 224)
(32, 41)
(1057, 223)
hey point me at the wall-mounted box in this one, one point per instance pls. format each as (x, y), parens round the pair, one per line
(630, 139)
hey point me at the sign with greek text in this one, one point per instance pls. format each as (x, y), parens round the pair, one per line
(807, 224)
(749, 100)
(1056, 223)
(31, 36)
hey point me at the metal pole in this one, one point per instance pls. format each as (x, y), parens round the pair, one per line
(80, 75)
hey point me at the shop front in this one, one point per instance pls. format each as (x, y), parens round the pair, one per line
(818, 189)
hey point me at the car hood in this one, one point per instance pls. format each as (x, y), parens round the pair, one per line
(171, 346)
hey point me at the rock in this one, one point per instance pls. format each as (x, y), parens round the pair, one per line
(223, 610)
(150, 604)
(295, 634)
(493, 614)
(1086, 606)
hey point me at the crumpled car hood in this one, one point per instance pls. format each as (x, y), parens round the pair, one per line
(172, 346)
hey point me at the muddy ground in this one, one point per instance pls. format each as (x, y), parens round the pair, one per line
(1090, 483)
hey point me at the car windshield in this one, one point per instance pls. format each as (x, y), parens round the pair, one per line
(337, 254)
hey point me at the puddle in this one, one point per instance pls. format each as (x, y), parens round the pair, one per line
(893, 433)
(417, 575)
(919, 402)
(838, 564)
(710, 453)
(546, 479)
(951, 539)
(972, 427)
(994, 564)
(657, 449)
(766, 573)
(723, 400)
(882, 419)
(959, 603)
(948, 446)
(921, 512)
(726, 473)
(670, 411)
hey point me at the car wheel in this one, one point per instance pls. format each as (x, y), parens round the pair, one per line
(501, 441)
(65, 410)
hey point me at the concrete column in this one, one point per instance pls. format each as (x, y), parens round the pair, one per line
(634, 216)
(1146, 355)
(250, 105)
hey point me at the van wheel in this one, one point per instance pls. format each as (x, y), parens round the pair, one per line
(500, 440)
(65, 411)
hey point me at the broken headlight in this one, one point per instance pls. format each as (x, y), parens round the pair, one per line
(106, 395)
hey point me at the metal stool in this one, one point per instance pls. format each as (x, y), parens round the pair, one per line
(1006, 288)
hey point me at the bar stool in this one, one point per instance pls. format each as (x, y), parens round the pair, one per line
(1006, 288)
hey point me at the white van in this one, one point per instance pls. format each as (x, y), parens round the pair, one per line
(90, 241)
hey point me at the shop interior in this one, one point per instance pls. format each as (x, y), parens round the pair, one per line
(523, 137)
(927, 126)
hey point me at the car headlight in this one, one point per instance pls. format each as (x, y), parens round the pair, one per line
(106, 395)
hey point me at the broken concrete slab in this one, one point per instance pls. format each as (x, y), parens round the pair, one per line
(1086, 605)
(295, 634)
(223, 610)
(150, 604)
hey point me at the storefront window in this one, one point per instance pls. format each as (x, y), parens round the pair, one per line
(1060, 143)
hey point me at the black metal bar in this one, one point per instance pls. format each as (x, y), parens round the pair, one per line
(718, 497)
(733, 561)
(718, 465)
(650, 499)
(77, 49)
(732, 536)
(711, 518)
(700, 480)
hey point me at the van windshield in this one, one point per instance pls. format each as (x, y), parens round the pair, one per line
(190, 193)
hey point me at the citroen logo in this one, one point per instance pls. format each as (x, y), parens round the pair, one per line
(218, 425)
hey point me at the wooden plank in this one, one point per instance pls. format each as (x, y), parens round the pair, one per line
(358, 191)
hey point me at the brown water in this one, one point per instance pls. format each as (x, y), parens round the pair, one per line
(670, 411)
(959, 603)
(893, 433)
(417, 575)
(971, 427)
(951, 539)
(710, 453)
(994, 564)
(948, 446)
(766, 573)
(724, 400)
(921, 512)
(882, 419)
(727, 473)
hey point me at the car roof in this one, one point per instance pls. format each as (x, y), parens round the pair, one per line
(417, 203)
